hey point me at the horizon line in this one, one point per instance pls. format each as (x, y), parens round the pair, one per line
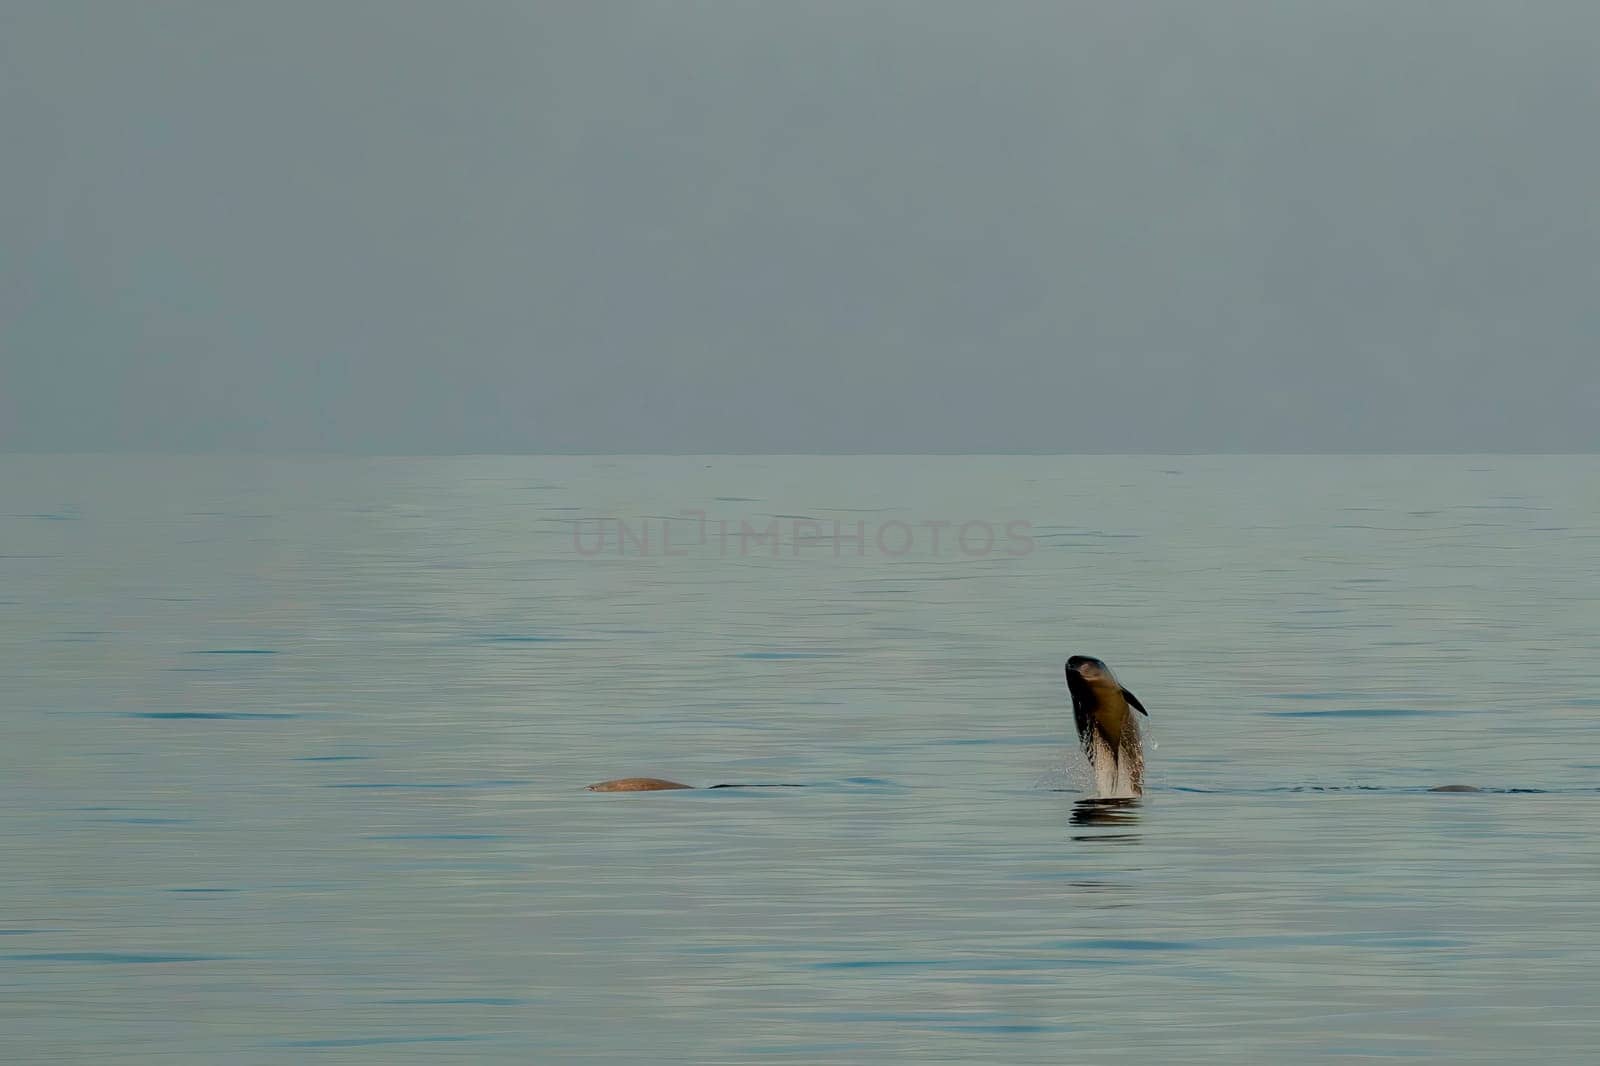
(321, 454)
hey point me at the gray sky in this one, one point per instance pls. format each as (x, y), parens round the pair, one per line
(819, 226)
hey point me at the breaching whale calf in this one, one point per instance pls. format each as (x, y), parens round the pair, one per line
(1103, 712)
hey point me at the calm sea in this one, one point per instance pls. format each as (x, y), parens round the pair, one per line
(293, 754)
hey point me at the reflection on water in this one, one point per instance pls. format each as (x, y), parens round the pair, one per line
(1101, 813)
(1096, 811)
(294, 754)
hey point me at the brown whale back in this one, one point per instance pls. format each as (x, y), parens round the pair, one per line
(636, 784)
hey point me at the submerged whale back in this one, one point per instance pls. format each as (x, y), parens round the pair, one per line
(636, 784)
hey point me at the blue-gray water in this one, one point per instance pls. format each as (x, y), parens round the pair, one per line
(293, 755)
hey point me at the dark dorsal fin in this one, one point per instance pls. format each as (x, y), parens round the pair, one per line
(1133, 701)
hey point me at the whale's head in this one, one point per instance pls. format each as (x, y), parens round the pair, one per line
(1092, 684)
(1088, 669)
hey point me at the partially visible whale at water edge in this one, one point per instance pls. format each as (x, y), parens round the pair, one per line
(1103, 712)
(660, 784)
(636, 784)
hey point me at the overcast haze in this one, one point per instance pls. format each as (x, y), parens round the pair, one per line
(608, 226)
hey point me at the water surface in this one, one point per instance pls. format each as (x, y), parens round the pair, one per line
(294, 753)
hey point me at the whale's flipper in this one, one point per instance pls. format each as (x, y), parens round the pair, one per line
(1133, 701)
